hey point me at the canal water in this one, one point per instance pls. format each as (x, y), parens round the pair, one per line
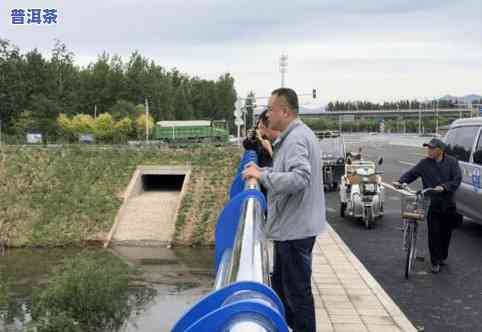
(170, 282)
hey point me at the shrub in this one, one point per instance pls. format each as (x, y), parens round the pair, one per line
(82, 124)
(104, 127)
(141, 125)
(90, 289)
(54, 323)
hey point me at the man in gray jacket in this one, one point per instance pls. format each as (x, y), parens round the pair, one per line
(296, 207)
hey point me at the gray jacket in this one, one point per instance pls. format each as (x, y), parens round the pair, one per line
(296, 202)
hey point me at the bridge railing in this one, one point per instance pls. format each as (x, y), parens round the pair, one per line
(241, 300)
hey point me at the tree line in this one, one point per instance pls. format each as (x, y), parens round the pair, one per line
(35, 91)
(428, 124)
(394, 105)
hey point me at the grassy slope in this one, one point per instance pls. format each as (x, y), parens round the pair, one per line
(63, 196)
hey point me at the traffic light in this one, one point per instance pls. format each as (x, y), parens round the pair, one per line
(314, 93)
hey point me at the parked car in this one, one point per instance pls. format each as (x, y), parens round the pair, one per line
(327, 133)
(464, 142)
(86, 139)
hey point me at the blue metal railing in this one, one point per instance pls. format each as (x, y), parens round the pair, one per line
(242, 300)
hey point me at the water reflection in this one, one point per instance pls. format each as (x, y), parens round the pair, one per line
(166, 284)
(180, 277)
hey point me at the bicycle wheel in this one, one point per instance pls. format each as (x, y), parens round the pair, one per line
(411, 245)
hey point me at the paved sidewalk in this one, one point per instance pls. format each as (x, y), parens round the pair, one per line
(347, 297)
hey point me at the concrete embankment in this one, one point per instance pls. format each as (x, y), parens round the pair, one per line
(151, 203)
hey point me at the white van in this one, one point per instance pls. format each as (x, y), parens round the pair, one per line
(464, 142)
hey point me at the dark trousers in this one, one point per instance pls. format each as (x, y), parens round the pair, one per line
(291, 280)
(439, 234)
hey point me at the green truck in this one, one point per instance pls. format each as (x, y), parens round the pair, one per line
(191, 131)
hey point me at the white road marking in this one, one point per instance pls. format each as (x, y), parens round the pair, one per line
(406, 163)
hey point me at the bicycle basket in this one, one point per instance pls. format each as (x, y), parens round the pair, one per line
(413, 207)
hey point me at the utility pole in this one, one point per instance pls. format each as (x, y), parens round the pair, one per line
(95, 111)
(400, 123)
(436, 117)
(147, 120)
(420, 119)
(283, 68)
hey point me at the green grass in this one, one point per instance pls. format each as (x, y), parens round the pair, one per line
(71, 194)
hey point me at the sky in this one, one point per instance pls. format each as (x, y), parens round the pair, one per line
(347, 50)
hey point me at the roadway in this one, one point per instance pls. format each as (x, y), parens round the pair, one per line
(448, 301)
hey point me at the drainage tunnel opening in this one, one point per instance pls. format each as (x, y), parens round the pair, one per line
(162, 182)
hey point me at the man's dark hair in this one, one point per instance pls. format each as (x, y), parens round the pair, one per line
(289, 96)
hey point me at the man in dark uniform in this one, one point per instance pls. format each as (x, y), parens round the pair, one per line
(441, 172)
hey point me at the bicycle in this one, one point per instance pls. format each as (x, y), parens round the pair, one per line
(414, 210)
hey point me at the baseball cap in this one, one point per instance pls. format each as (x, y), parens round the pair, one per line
(435, 143)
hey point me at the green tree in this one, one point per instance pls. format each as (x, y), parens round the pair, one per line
(123, 129)
(66, 127)
(45, 112)
(25, 123)
(65, 77)
(182, 108)
(122, 109)
(104, 127)
(226, 97)
(83, 124)
(141, 125)
(47, 87)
